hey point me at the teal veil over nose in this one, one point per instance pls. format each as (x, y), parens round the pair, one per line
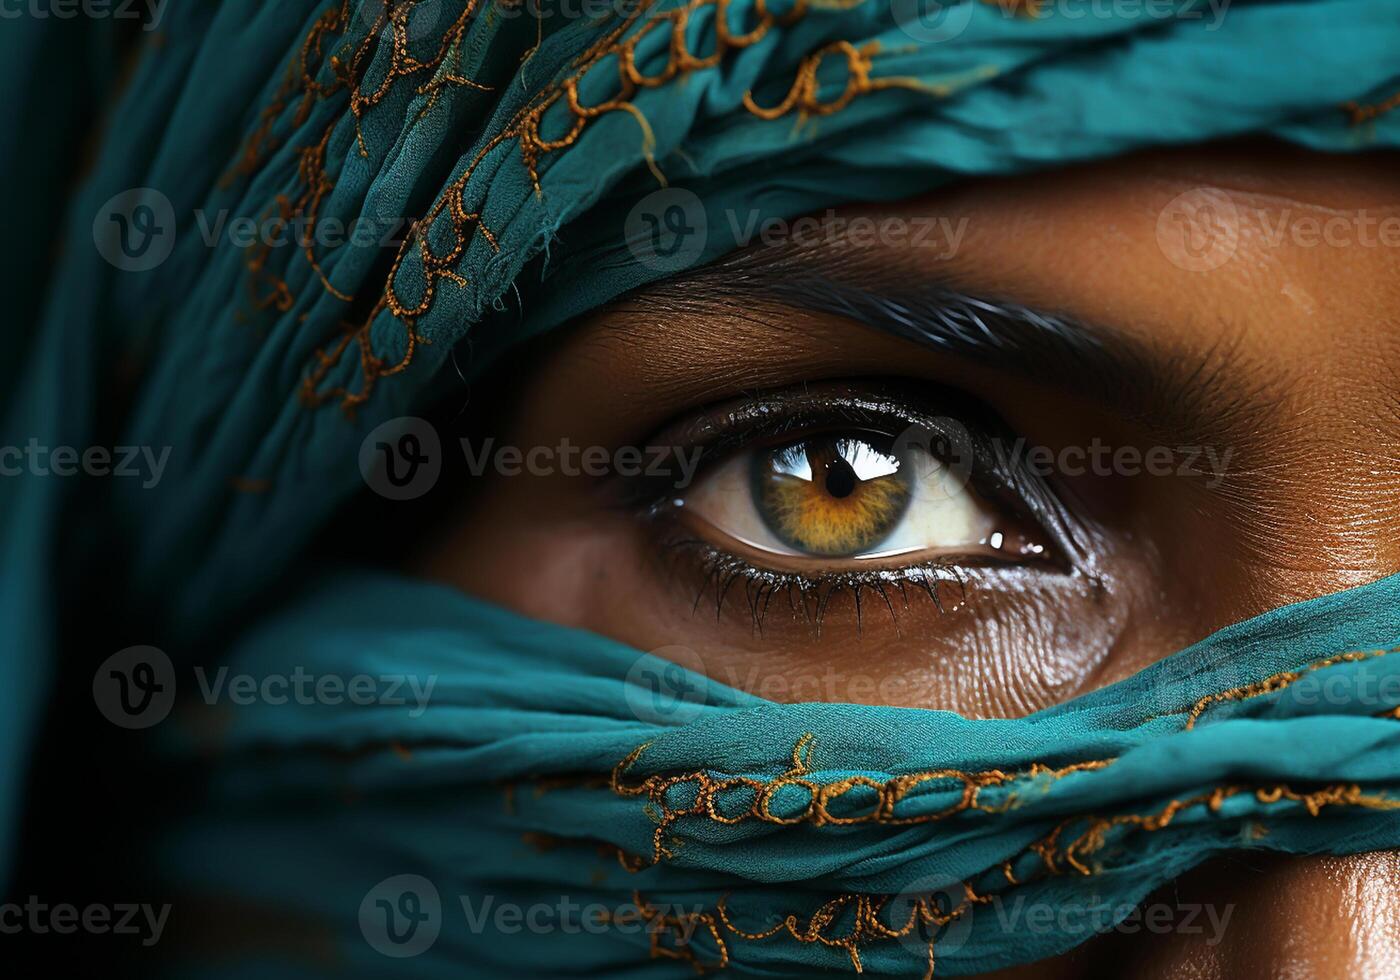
(540, 809)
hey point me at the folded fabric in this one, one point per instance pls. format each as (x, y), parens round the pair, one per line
(549, 771)
(508, 150)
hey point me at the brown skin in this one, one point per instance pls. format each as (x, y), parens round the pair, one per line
(1285, 352)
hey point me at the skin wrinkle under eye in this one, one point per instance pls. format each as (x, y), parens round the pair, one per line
(975, 632)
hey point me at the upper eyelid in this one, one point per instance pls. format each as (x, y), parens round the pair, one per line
(1125, 373)
(720, 434)
(786, 411)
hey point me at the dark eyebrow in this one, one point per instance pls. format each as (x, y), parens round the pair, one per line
(1141, 382)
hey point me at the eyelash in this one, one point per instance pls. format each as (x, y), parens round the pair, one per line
(722, 570)
(878, 405)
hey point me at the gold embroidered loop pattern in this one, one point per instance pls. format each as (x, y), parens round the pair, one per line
(710, 792)
(349, 67)
(1279, 681)
(1056, 853)
(924, 913)
(1365, 113)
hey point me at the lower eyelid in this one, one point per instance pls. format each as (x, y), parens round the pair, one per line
(716, 572)
(762, 560)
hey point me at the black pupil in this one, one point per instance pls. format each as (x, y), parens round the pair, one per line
(840, 479)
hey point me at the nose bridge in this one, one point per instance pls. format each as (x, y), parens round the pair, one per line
(1348, 489)
(1321, 917)
(1371, 905)
(1313, 494)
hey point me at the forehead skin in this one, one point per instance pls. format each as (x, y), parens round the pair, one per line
(1286, 247)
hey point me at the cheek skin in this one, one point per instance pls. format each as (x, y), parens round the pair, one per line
(1009, 644)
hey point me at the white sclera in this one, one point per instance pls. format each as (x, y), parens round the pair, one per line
(944, 516)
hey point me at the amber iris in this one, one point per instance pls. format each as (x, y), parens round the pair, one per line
(832, 495)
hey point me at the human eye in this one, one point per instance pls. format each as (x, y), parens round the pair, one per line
(850, 485)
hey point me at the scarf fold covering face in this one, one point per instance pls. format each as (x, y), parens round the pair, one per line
(629, 809)
(512, 151)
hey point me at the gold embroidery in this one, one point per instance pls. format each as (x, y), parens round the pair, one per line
(1278, 682)
(1057, 852)
(1365, 113)
(924, 911)
(524, 130)
(711, 792)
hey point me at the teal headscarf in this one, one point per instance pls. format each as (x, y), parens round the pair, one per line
(717, 828)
